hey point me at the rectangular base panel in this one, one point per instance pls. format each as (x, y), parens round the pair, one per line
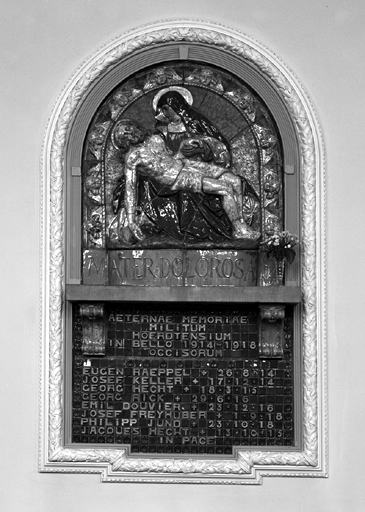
(182, 380)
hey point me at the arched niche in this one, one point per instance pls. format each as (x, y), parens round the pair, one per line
(303, 166)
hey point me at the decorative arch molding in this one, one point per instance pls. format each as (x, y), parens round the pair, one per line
(165, 41)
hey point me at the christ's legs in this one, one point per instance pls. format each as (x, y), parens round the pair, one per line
(220, 182)
(233, 207)
(213, 186)
(237, 187)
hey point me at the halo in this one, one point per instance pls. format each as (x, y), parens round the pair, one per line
(188, 97)
(115, 128)
(125, 121)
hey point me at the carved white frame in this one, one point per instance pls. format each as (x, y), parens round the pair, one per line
(249, 466)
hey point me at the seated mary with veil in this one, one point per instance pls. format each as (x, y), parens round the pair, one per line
(183, 215)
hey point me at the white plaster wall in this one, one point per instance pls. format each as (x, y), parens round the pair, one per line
(42, 42)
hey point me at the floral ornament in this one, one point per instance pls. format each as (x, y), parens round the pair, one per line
(280, 245)
(95, 227)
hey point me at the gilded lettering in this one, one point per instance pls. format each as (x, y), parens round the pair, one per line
(215, 267)
(136, 267)
(186, 271)
(202, 267)
(164, 267)
(227, 268)
(114, 268)
(93, 264)
(148, 262)
(239, 269)
(177, 267)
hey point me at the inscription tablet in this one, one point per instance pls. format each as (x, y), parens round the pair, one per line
(182, 380)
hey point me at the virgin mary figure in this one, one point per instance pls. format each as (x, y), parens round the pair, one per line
(184, 217)
(178, 121)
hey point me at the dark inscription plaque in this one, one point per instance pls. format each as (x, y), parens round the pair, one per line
(183, 381)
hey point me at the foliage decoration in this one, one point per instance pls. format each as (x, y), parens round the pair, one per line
(280, 245)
